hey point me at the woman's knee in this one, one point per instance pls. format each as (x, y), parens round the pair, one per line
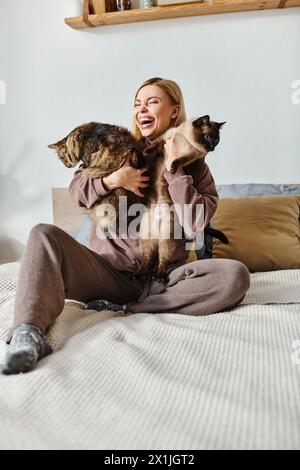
(237, 276)
(43, 229)
(41, 233)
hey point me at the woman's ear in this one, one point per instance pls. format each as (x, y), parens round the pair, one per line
(175, 113)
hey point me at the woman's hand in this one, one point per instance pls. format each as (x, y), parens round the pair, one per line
(127, 177)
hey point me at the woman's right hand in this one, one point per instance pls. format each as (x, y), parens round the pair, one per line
(127, 177)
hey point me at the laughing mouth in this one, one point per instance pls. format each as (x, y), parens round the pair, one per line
(145, 123)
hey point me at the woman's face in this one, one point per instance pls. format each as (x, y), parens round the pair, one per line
(153, 111)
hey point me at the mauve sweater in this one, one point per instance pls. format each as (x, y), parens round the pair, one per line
(124, 253)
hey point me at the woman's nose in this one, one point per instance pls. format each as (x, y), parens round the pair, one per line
(143, 108)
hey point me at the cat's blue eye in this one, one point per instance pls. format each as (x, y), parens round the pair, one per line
(206, 136)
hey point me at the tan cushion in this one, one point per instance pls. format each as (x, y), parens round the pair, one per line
(263, 231)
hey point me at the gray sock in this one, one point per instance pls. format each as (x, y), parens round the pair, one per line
(27, 346)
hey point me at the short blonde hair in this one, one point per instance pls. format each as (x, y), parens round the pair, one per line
(173, 91)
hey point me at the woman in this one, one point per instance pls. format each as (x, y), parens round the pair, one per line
(55, 266)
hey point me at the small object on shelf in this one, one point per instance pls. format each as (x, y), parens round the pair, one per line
(148, 3)
(110, 5)
(124, 5)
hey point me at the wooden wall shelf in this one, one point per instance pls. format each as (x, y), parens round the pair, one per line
(177, 11)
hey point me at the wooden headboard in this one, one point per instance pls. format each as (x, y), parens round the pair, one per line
(66, 214)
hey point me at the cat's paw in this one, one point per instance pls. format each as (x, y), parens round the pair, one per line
(160, 277)
(101, 304)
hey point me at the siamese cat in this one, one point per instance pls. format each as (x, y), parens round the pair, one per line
(193, 139)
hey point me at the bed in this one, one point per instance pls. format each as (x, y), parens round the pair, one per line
(160, 381)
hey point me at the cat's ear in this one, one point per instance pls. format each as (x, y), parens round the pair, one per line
(201, 121)
(221, 124)
(53, 146)
(57, 144)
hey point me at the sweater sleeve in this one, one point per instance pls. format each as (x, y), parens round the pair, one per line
(86, 191)
(186, 197)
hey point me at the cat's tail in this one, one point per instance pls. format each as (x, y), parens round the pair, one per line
(216, 234)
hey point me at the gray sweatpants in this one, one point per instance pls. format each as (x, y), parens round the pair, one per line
(56, 267)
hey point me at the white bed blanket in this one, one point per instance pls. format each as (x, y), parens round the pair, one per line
(161, 381)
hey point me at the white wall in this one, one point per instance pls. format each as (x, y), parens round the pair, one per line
(236, 67)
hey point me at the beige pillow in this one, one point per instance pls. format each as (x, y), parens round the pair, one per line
(263, 231)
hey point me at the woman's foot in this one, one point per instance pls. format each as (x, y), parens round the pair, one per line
(26, 348)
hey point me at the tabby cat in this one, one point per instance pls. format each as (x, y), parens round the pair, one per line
(103, 148)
